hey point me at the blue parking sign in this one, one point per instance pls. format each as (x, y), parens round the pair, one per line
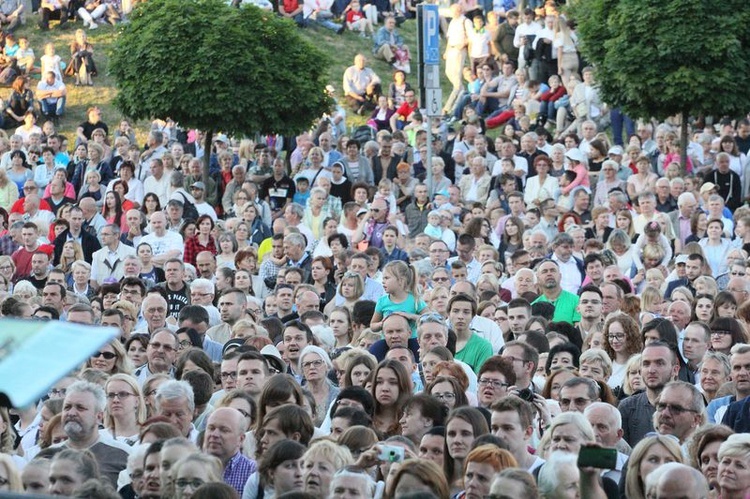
(430, 34)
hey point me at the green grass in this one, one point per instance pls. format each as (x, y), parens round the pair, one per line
(340, 49)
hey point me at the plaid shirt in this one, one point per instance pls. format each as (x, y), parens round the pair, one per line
(238, 470)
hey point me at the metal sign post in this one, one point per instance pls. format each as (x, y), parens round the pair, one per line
(428, 65)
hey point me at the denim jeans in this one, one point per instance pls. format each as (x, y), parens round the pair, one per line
(53, 108)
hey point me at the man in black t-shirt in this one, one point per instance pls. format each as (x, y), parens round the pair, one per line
(278, 190)
(93, 122)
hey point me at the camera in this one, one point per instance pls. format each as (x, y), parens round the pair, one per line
(391, 453)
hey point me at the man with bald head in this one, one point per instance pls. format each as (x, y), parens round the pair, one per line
(679, 481)
(164, 244)
(396, 333)
(205, 263)
(224, 436)
(136, 223)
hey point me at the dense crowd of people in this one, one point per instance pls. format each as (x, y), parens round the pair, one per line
(552, 311)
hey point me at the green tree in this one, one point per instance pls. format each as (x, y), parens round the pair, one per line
(218, 68)
(659, 58)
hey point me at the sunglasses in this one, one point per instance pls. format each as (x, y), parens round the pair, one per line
(106, 355)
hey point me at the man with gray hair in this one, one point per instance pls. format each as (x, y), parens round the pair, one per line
(82, 413)
(175, 401)
(350, 483)
(679, 480)
(293, 213)
(606, 421)
(202, 292)
(676, 187)
(665, 203)
(234, 185)
(108, 262)
(680, 218)
(680, 410)
(571, 268)
(297, 256)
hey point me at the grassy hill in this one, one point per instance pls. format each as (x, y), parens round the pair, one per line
(341, 50)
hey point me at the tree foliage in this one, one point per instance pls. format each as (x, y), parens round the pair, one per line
(214, 67)
(657, 58)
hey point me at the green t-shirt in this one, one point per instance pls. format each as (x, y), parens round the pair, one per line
(475, 352)
(565, 307)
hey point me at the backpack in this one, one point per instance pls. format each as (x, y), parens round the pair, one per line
(363, 133)
(189, 211)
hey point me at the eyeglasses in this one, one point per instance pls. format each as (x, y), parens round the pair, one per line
(160, 346)
(119, 395)
(494, 383)
(674, 409)
(441, 279)
(186, 344)
(444, 396)
(615, 337)
(183, 483)
(202, 295)
(312, 363)
(106, 355)
(515, 359)
(56, 393)
(720, 333)
(229, 375)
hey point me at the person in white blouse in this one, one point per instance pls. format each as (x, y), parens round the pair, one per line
(541, 186)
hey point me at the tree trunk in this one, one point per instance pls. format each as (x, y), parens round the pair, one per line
(683, 143)
(209, 137)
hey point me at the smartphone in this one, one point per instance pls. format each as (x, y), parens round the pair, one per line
(597, 457)
(391, 453)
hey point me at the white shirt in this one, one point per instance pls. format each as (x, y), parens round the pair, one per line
(168, 242)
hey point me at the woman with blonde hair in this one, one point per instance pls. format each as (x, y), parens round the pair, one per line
(71, 253)
(351, 288)
(82, 59)
(111, 359)
(565, 42)
(320, 462)
(192, 470)
(649, 454)
(11, 475)
(126, 408)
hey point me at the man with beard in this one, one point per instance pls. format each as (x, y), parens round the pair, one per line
(590, 308)
(658, 367)
(82, 413)
(565, 302)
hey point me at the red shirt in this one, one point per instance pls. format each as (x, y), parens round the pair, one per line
(290, 6)
(405, 110)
